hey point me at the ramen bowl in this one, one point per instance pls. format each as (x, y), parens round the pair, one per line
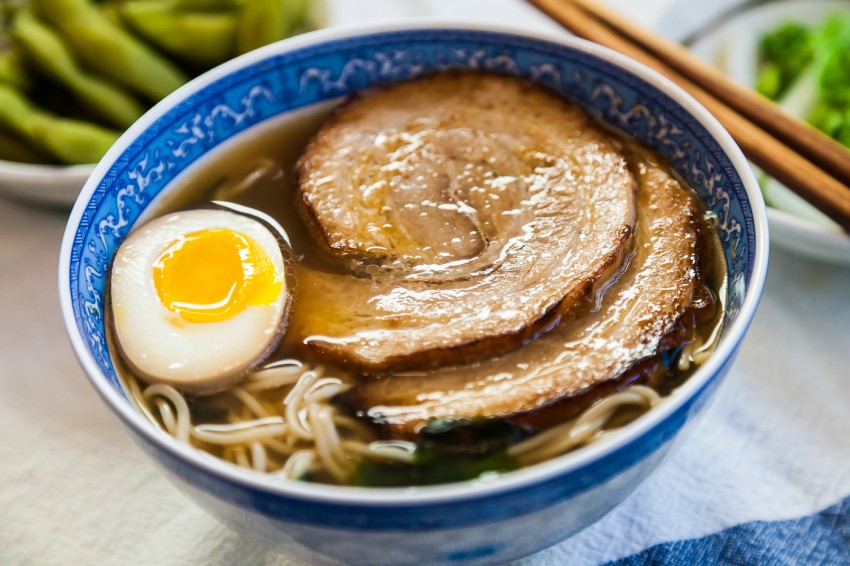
(496, 519)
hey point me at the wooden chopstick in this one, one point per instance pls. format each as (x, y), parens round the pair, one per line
(770, 153)
(809, 142)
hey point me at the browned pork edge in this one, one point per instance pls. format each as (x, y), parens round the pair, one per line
(550, 405)
(650, 371)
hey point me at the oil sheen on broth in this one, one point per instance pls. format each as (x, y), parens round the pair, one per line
(597, 302)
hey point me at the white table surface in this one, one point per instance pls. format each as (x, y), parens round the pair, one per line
(75, 490)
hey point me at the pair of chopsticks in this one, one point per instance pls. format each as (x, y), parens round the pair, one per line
(805, 160)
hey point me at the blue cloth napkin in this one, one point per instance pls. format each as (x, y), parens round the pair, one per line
(820, 538)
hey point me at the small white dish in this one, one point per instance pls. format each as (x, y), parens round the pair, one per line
(731, 43)
(47, 185)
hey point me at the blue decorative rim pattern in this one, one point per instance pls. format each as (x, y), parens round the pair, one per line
(298, 78)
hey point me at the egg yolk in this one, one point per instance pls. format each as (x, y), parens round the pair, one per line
(212, 275)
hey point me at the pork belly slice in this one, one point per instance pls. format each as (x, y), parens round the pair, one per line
(645, 304)
(469, 210)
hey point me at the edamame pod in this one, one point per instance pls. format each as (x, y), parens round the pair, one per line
(299, 12)
(202, 38)
(300, 16)
(12, 149)
(110, 50)
(12, 71)
(205, 5)
(111, 10)
(261, 22)
(69, 141)
(49, 52)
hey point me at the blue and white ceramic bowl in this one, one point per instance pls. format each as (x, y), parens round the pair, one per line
(472, 522)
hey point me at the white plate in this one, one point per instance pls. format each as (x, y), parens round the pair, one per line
(731, 42)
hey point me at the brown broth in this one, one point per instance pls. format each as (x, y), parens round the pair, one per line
(267, 157)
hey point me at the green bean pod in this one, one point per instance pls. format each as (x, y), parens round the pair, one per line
(264, 21)
(69, 141)
(109, 50)
(299, 15)
(111, 10)
(12, 70)
(50, 54)
(13, 149)
(205, 5)
(201, 38)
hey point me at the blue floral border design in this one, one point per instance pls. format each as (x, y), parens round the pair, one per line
(310, 75)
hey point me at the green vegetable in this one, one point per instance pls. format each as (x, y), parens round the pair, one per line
(807, 72)
(264, 21)
(447, 450)
(110, 50)
(49, 52)
(206, 5)
(69, 141)
(8, 8)
(111, 11)
(12, 149)
(784, 54)
(431, 470)
(202, 38)
(65, 62)
(12, 70)
(833, 58)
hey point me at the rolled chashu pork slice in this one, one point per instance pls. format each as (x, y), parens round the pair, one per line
(645, 305)
(471, 211)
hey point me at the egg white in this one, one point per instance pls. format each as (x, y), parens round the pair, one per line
(162, 347)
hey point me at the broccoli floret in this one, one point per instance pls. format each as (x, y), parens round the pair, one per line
(807, 71)
(784, 53)
(833, 49)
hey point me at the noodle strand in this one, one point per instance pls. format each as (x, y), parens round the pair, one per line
(560, 439)
(184, 420)
(311, 436)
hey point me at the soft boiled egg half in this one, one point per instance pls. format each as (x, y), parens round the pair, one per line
(198, 297)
